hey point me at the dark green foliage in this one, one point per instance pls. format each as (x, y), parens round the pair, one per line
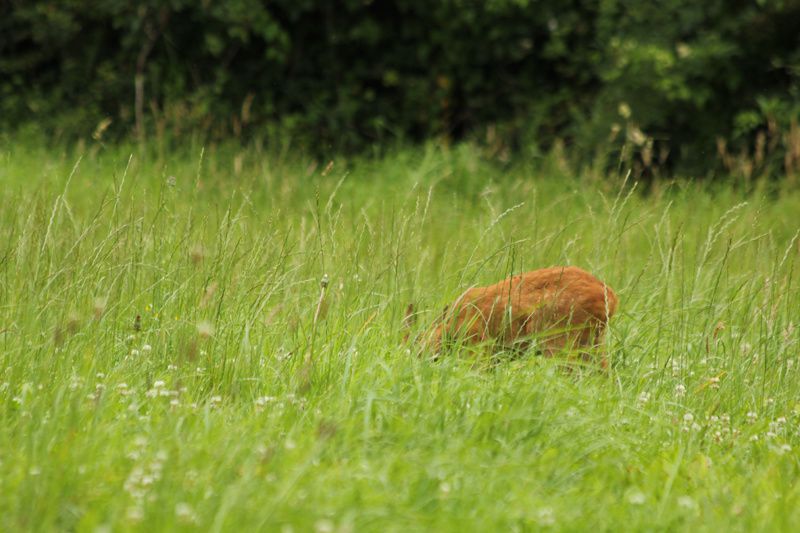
(704, 84)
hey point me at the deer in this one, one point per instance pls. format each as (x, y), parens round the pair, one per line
(557, 309)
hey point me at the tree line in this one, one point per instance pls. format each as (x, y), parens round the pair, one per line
(659, 85)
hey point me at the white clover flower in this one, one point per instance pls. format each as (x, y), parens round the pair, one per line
(147, 348)
(135, 352)
(636, 497)
(785, 448)
(752, 416)
(159, 384)
(546, 516)
(644, 397)
(686, 502)
(680, 389)
(263, 400)
(324, 526)
(688, 418)
(185, 513)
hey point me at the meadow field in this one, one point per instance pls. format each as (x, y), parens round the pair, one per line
(169, 359)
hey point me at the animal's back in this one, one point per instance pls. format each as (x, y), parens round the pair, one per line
(563, 306)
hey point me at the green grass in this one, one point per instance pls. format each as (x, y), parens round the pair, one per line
(208, 417)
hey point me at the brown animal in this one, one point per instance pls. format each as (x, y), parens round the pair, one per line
(562, 308)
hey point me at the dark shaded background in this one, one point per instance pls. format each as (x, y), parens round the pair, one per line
(672, 84)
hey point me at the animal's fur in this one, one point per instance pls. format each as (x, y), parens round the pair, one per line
(562, 308)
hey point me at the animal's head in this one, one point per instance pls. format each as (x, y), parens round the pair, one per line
(429, 341)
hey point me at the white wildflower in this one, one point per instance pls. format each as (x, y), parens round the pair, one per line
(185, 513)
(324, 526)
(686, 502)
(546, 516)
(636, 497)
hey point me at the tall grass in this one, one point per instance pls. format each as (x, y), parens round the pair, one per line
(169, 359)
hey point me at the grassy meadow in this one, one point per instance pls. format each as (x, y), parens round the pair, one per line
(247, 397)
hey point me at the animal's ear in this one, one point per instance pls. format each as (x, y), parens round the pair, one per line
(410, 318)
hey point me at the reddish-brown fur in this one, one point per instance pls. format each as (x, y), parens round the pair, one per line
(562, 308)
